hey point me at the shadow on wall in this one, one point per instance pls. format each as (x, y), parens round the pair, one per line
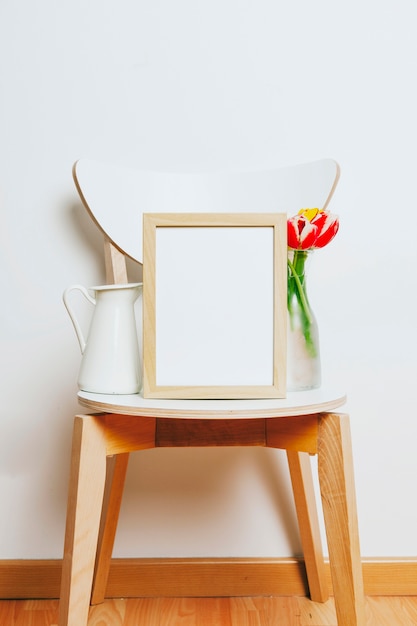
(91, 238)
(88, 236)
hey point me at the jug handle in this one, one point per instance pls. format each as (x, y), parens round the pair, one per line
(71, 313)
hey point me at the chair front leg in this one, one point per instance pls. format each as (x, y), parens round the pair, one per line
(85, 499)
(335, 466)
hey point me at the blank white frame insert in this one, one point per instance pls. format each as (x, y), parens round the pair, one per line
(214, 299)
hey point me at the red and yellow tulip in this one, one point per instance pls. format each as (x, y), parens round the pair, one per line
(308, 230)
(311, 228)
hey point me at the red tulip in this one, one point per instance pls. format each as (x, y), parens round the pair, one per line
(311, 228)
(301, 233)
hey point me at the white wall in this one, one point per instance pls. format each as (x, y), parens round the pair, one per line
(192, 84)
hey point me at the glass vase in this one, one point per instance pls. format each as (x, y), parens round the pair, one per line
(303, 349)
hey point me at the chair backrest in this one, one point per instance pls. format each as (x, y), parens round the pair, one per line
(117, 197)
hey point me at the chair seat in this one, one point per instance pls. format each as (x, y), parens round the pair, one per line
(296, 403)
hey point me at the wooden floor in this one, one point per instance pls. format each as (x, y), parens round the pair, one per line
(277, 611)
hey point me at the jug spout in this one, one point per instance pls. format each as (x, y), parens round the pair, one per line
(111, 361)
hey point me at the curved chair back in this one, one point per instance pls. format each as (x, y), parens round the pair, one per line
(117, 197)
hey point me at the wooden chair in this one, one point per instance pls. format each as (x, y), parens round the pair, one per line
(116, 199)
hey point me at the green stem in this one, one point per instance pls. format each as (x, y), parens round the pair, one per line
(296, 289)
(301, 292)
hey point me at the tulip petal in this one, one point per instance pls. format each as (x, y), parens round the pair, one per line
(301, 233)
(327, 224)
(310, 214)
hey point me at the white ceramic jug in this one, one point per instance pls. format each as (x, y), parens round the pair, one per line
(111, 362)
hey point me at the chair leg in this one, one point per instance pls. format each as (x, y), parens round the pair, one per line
(306, 507)
(115, 479)
(85, 498)
(337, 488)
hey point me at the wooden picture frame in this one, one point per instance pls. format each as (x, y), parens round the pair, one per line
(214, 305)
